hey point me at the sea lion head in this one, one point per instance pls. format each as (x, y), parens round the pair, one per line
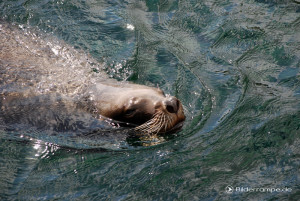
(148, 108)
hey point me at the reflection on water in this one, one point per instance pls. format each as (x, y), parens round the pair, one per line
(233, 64)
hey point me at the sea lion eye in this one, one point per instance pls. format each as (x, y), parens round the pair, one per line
(129, 112)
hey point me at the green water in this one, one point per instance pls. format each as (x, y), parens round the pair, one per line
(233, 64)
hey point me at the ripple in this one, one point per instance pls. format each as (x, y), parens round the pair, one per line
(233, 64)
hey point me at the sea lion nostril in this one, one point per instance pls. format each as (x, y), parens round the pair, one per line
(172, 105)
(170, 109)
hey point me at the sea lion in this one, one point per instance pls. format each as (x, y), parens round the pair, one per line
(33, 66)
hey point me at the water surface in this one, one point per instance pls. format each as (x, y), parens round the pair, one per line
(233, 64)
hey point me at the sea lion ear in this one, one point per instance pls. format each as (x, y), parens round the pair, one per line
(160, 91)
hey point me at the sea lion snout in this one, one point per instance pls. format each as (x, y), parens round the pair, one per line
(168, 115)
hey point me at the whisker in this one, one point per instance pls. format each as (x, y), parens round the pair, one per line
(158, 123)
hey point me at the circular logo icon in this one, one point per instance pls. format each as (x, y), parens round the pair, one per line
(229, 189)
